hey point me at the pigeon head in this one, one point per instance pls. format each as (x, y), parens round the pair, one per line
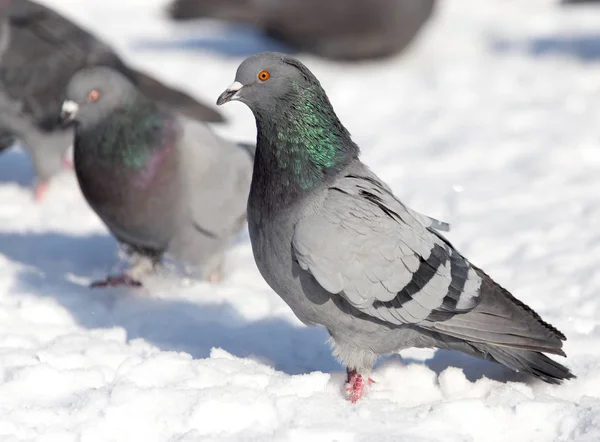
(298, 130)
(264, 79)
(94, 94)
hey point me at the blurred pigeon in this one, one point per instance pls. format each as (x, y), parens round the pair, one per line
(338, 29)
(160, 182)
(335, 243)
(4, 27)
(44, 51)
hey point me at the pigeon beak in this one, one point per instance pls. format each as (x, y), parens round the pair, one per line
(68, 111)
(231, 93)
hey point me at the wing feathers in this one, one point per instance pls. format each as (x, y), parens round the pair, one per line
(387, 258)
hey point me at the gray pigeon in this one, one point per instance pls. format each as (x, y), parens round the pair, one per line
(338, 29)
(42, 50)
(160, 182)
(342, 251)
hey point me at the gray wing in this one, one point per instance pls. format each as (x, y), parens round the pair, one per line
(425, 220)
(428, 221)
(382, 257)
(366, 246)
(218, 176)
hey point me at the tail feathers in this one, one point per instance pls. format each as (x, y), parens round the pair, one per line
(503, 320)
(532, 362)
(493, 286)
(176, 99)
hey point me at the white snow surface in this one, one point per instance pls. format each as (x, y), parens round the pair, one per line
(490, 122)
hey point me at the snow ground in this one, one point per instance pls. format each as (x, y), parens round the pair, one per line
(490, 122)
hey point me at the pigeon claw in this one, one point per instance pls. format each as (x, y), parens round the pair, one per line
(115, 281)
(355, 386)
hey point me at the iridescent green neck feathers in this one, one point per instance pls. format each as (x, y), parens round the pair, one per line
(130, 136)
(304, 138)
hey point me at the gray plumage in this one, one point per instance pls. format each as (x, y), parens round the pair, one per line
(160, 182)
(342, 251)
(4, 25)
(7, 139)
(42, 50)
(338, 29)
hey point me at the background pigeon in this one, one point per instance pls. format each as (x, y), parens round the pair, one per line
(161, 183)
(334, 242)
(45, 49)
(338, 29)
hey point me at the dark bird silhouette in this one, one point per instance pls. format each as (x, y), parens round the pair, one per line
(337, 29)
(42, 50)
(161, 183)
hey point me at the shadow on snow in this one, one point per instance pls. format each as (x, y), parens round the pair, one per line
(52, 261)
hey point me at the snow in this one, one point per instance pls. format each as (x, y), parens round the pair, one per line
(489, 122)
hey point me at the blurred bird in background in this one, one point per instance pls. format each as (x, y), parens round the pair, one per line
(336, 29)
(41, 50)
(570, 2)
(160, 182)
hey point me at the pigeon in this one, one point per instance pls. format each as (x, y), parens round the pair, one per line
(42, 51)
(336, 29)
(160, 182)
(342, 251)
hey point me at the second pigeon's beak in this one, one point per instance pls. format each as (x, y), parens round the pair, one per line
(231, 93)
(68, 111)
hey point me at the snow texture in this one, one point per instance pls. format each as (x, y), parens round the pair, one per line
(489, 122)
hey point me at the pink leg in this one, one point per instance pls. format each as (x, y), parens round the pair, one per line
(40, 192)
(115, 281)
(355, 386)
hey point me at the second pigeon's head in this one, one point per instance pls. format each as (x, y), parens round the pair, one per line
(264, 81)
(95, 93)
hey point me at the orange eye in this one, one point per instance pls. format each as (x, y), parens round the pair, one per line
(264, 75)
(93, 96)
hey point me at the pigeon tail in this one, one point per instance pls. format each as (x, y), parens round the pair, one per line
(176, 99)
(501, 319)
(531, 362)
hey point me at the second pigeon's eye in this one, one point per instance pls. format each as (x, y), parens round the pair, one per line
(93, 96)
(264, 75)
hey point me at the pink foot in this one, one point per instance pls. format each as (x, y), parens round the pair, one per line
(40, 192)
(115, 281)
(355, 386)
